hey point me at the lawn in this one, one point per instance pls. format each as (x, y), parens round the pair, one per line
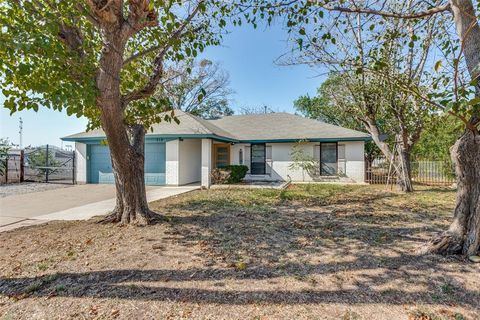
(311, 251)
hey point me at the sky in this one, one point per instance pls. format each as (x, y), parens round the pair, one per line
(247, 54)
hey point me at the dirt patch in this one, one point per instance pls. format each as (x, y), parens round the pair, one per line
(323, 252)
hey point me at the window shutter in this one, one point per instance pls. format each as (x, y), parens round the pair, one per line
(268, 153)
(342, 163)
(268, 160)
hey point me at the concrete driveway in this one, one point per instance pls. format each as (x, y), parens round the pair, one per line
(73, 203)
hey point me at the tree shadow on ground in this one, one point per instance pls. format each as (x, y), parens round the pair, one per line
(159, 285)
(353, 252)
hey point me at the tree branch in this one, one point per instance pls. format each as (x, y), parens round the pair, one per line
(152, 49)
(388, 14)
(157, 72)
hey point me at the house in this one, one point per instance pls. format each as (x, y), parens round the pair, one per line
(179, 154)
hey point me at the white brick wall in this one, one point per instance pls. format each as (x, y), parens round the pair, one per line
(206, 162)
(281, 161)
(80, 162)
(171, 165)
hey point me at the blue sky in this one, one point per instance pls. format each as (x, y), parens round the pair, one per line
(247, 54)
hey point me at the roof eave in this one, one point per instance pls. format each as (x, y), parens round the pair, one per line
(157, 136)
(306, 139)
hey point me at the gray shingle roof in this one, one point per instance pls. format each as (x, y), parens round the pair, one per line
(259, 127)
(283, 126)
(189, 125)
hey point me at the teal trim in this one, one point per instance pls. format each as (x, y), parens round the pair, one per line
(155, 138)
(309, 140)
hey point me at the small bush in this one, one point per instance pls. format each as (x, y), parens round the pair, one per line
(220, 176)
(237, 173)
(229, 174)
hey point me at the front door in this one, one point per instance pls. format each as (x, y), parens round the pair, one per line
(257, 165)
(221, 155)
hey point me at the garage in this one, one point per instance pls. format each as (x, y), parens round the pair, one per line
(100, 165)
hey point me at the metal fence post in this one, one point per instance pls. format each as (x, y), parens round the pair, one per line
(6, 170)
(22, 165)
(73, 168)
(46, 165)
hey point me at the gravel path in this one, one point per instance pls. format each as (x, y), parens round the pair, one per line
(28, 187)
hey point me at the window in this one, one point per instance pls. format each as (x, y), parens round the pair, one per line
(328, 159)
(222, 155)
(257, 162)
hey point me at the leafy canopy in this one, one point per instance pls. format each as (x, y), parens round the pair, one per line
(37, 68)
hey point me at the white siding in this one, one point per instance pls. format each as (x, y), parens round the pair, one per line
(206, 162)
(355, 160)
(279, 165)
(172, 156)
(80, 162)
(190, 161)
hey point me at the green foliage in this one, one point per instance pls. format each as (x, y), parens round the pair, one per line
(325, 105)
(38, 69)
(5, 146)
(439, 135)
(40, 158)
(302, 160)
(237, 173)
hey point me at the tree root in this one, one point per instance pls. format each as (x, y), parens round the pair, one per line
(139, 218)
(443, 244)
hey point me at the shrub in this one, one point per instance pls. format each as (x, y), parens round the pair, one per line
(229, 174)
(220, 176)
(237, 173)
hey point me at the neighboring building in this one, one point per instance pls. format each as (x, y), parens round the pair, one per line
(179, 154)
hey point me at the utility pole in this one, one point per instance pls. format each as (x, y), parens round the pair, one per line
(20, 132)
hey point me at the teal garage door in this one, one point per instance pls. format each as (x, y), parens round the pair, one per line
(100, 165)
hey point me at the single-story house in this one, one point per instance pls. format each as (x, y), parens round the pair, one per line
(179, 154)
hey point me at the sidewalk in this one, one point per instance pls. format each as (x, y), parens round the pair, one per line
(75, 203)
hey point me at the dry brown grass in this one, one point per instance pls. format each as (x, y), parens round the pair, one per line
(312, 251)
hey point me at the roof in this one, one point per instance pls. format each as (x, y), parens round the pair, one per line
(189, 126)
(280, 127)
(283, 126)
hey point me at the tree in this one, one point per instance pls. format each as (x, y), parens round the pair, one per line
(457, 97)
(370, 64)
(303, 161)
(202, 88)
(5, 147)
(328, 106)
(40, 158)
(440, 133)
(255, 110)
(104, 60)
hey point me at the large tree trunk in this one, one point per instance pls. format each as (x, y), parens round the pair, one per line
(131, 203)
(463, 236)
(404, 170)
(126, 143)
(401, 163)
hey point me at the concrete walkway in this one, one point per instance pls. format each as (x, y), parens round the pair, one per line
(78, 202)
